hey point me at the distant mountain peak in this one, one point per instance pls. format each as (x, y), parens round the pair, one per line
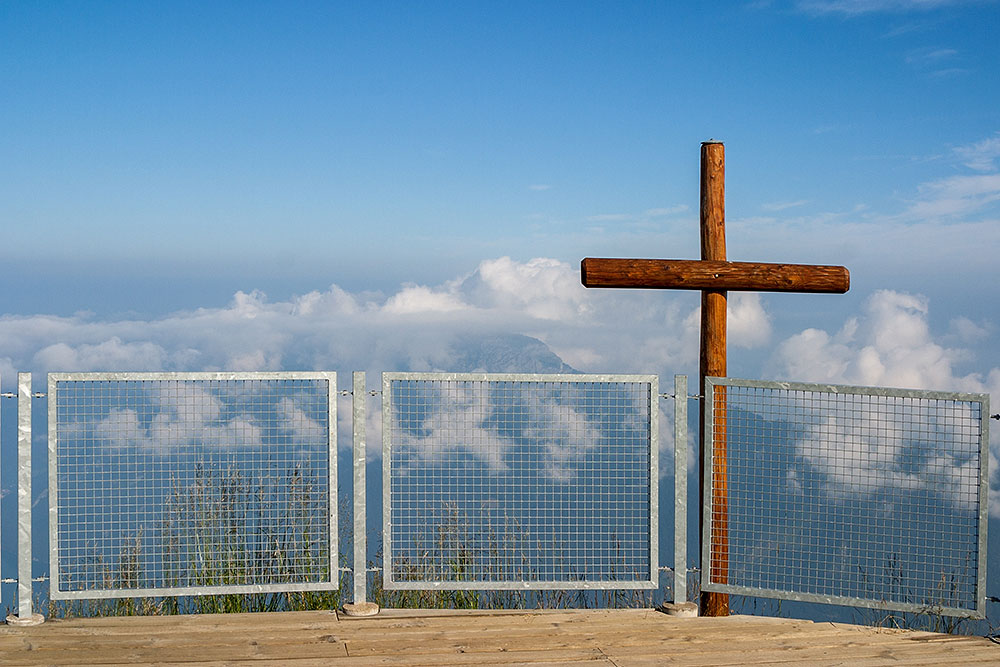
(505, 353)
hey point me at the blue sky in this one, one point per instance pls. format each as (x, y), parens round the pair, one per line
(299, 185)
(252, 146)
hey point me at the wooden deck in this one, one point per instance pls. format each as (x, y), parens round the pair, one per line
(406, 637)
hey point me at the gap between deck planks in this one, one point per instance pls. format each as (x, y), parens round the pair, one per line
(428, 637)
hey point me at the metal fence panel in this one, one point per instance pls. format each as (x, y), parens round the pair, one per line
(191, 483)
(24, 497)
(506, 481)
(847, 495)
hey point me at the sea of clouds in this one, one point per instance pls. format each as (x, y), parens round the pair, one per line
(504, 316)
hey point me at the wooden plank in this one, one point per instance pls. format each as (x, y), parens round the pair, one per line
(181, 620)
(603, 637)
(362, 662)
(507, 656)
(162, 639)
(83, 654)
(621, 637)
(801, 639)
(197, 633)
(689, 274)
(634, 633)
(443, 643)
(396, 613)
(534, 658)
(843, 653)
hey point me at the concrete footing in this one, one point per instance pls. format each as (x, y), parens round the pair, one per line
(682, 609)
(34, 619)
(361, 609)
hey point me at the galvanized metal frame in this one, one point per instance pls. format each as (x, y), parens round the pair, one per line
(680, 488)
(360, 567)
(332, 582)
(653, 576)
(707, 584)
(24, 585)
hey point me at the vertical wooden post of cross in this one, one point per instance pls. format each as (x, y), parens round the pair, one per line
(714, 275)
(713, 364)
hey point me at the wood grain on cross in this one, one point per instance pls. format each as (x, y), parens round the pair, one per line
(714, 276)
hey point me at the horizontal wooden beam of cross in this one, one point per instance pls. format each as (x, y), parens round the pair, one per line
(715, 275)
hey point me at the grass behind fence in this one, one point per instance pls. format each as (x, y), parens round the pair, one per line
(214, 507)
(212, 510)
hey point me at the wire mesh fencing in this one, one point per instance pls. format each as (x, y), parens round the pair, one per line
(204, 483)
(858, 496)
(191, 483)
(519, 481)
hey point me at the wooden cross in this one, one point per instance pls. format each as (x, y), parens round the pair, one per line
(714, 276)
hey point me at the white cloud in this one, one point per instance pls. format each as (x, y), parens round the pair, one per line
(858, 7)
(982, 155)
(121, 429)
(456, 423)
(178, 416)
(418, 299)
(888, 345)
(955, 196)
(651, 218)
(930, 57)
(304, 428)
(109, 354)
(7, 373)
(947, 72)
(464, 417)
(749, 324)
(541, 288)
(781, 206)
(959, 195)
(965, 331)
(333, 300)
(170, 416)
(413, 328)
(944, 223)
(665, 211)
(893, 448)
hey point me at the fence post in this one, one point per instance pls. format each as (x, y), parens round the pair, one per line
(680, 489)
(680, 605)
(25, 615)
(360, 606)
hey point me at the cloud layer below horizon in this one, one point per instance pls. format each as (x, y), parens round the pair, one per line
(425, 328)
